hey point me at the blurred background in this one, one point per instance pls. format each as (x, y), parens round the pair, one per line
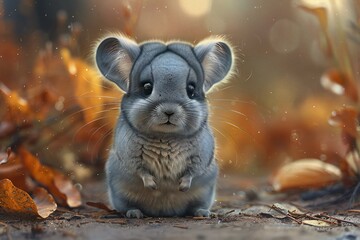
(274, 109)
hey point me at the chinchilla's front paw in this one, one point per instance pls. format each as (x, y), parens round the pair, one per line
(185, 183)
(149, 182)
(134, 213)
(202, 213)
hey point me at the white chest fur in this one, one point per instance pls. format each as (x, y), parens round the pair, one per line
(165, 158)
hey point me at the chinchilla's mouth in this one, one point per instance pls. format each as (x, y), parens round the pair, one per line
(168, 123)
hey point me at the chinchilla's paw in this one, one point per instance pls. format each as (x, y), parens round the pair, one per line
(202, 213)
(185, 183)
(134, 213)
(150, 183)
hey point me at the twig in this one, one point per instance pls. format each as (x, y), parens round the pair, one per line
(340, 220)
(180, 226)
(285, 214)
(228, 212)
(320, 219)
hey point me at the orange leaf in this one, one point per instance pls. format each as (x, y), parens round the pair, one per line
(44, 201)
(339, 83)
(88, 85)
(100, 205)
(12, 168)
(15, 201)
(73, 198)
(304, 174)
(321, 14)
(58, 185)
(347, 118)
(17, 108)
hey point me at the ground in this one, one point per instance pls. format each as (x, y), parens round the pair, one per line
(240, 215)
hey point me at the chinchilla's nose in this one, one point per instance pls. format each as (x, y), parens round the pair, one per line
(169, 109)
(169, 113)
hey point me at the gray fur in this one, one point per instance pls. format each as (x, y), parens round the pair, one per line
(162, 160)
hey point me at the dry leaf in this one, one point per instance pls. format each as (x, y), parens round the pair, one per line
(288, 208)
(321, 14)
(44, 201)
(304, 174)
(353, 161)
(347, 118)
(340, 84)
(58, 185)
(88, 85)
(7, 128)
(99, 205)
(15, 201)
(13, 169)
(17, 108)
(316, 223)
(73, 198)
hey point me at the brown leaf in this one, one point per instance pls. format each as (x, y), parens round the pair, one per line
(7, 128)
(88, 85)
(11, 168)
(340, 84)
(347, 118)
(15, 201)
(99, 205)
(17, 108)
(304, 174)
(316, 223)
(73, 198)
(352, 160)
(44, 201)
(58, 185)
(322, 15)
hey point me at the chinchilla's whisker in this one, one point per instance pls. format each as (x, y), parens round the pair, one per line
(228, 139)
(100, 141)
(93, 133)
(88, 123)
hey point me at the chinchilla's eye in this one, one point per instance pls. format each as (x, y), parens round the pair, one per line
(147, 88)
(191, 90)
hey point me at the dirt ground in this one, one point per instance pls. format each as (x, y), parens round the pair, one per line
(240, 214)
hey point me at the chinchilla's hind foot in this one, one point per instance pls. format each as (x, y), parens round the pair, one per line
(202, 213)
(134, 213)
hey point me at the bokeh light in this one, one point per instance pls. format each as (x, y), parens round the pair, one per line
(195, 8)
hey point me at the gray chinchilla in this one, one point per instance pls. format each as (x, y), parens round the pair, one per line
(162, 159)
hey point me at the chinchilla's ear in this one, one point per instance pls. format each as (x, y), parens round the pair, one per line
(115, 57)
(216, 59)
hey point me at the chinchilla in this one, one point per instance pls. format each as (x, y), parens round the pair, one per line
(162, 158)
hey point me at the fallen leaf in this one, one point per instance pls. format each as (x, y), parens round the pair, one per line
(64, 184)
(12, 168)
(44, 201)
(88, 85)
(316, 223)
(7, 128)
(17, 108)
(347, 119)
(58, 185)
(264, 211)
(15, 201)
(352, 160)
(305, 174)
(339, 83)
(100, 206)
(288, 208)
